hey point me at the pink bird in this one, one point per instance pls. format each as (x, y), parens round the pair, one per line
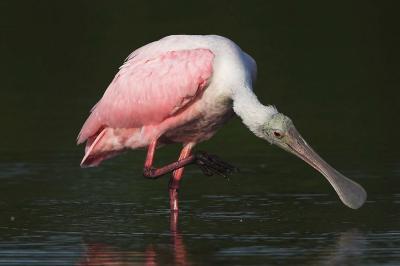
(182, 89)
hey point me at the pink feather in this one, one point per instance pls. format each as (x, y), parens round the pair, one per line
(149, 90)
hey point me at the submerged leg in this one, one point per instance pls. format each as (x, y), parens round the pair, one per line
(174, 181)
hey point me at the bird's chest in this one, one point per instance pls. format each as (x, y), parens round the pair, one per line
(211, 115)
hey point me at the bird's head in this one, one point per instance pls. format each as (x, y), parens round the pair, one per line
(276, 129)
(280, 130)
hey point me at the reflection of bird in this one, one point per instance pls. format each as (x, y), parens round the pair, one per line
(182, 89)
(103, 254)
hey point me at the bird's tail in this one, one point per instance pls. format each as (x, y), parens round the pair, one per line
(108, 143)
(94, 152)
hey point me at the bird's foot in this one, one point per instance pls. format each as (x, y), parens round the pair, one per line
(150, 173)
(212, 164)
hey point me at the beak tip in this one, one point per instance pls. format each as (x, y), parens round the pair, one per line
(356, 199)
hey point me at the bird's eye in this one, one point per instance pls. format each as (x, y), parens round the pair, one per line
(278, 134)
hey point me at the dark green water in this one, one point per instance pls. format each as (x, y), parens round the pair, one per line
(333, 68)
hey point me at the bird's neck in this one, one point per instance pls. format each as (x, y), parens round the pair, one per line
(253, 114)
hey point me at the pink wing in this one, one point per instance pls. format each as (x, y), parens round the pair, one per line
(148, 90)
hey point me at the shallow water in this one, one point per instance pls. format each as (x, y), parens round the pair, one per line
(55, 213)
(330, 68)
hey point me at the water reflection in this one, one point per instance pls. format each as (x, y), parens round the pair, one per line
(348, 249)
(104, 254)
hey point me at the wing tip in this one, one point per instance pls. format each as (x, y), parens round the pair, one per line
(91, 127)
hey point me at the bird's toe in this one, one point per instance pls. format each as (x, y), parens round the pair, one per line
(212, 164)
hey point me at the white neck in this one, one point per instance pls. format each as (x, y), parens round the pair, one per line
(251, 111)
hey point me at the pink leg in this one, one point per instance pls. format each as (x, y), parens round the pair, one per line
(150, 154)
(176, 178)
(209, 164)
(153, 173)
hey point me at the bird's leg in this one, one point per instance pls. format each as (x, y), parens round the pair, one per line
(208, 163)
(174, 181)
(153, 173)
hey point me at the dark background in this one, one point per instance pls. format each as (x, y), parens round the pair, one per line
(58, 57)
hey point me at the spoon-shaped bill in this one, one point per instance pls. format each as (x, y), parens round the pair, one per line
(351, 193)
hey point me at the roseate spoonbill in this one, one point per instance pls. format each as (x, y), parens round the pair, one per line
(182, 89)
